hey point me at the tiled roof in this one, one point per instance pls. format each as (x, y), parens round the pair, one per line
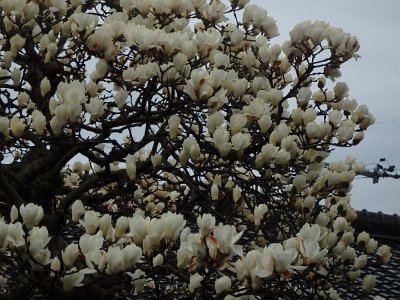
(386, 229)
(379, 225)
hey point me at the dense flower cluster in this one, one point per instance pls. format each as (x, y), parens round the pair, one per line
(168, 148)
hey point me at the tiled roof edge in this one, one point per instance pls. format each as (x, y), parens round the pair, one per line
(378, 218)
(378, 224)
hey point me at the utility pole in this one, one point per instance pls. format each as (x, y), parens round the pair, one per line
(380, 171)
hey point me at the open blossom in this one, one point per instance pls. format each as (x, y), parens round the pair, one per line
(384, 253)
(264, 264)
(138, 228)
(90, 243)
(31, 214)
(90, 221)
(221, 244)
(221, 141)
(173, 225)
(74, 278)
(114, 260)
(11, 235)
(96, 260)
(38, 239)
(96, 108)
(241, 141)
(72, 95)
(189, 112)
(192, 253)
(206, 224)
(284, 259)
(311, 232)
(198, 87)
(138, 280)
(340, 224)
(311, 253)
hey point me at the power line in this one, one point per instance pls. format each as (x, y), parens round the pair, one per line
(387, 121)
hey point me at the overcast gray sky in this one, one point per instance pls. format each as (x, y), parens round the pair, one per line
(374, 80)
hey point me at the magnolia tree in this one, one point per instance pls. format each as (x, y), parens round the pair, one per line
(169, 149)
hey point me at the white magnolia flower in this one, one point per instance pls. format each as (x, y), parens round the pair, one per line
(13, 214)
(284, 259)
(158, 260)
(90, 221)
(138, 280)
(96, 260)
(17, 126)
(95, 108)
(38, 239)
(55, 266)
(360, 262)
(69, 255)
(16, 42)
(173, 225)
(259, 213)
(114, 260)
(195, 282)
(221, 244)
(311, 232)
(45, 86)
(156, 160)
(31, 214)
(90, 243)
(77, 210)
(222, 284)
(340, 224)
(120, 98)
(74, 278)
(368, 283)
(138, 228)
(257, 264)
(38, 122)
(12, 235)
(120, 226)
(131, 166)
(40, 259)
(206, 223)
(5, 126)
(214, 192)
(72, 95)
(311, 253)
(221, 141)
(132, 255)
(173, 125)
(384, 253)
(371, 246)
(3, 281)
(106, 227)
